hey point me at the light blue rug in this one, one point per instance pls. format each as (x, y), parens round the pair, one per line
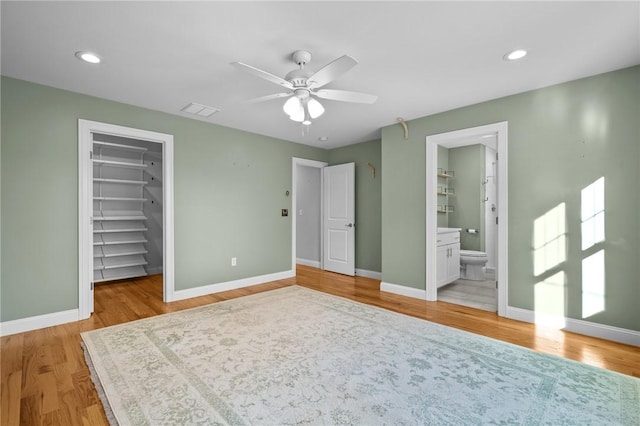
(294, 356)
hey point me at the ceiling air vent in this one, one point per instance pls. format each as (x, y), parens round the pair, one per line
(199, 109)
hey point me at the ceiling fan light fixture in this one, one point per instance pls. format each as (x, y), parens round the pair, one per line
(293, 108)
(315, 108)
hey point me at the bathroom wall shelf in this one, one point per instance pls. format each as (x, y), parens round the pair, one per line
(445, 191)
(446, 174)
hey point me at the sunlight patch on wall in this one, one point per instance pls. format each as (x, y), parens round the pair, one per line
(593, 232)
(593, 284)
(592, 214)
(549, 240)
(550, 301)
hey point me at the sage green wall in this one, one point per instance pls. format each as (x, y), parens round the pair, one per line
(368, 200)
(468, 164)
(229, 188)
(561, 139)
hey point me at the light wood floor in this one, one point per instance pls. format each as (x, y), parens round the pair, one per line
(45, 379)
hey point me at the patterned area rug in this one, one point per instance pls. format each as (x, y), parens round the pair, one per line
(296, 356)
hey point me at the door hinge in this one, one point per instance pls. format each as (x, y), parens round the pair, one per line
(91, 155)
(496, 155)
(91, 285)
(496, 220)
(496, 283)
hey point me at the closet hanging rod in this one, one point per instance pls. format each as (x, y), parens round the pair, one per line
(119, 164)
(113, 243)
(111, 231)
(132, 253)
(142, 200)
(135, 217)
(119, 146)
(125, 181)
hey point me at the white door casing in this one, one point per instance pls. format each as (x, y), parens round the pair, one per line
(339, 218)
(295, 163)
(86, 129)
(458, 138)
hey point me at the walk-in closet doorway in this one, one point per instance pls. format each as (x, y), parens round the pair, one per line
(125, 207)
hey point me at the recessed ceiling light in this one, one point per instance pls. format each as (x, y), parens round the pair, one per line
(90, 57)
(515, 55)
(323, 138)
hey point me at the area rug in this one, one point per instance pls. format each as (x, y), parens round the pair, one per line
(295, 356)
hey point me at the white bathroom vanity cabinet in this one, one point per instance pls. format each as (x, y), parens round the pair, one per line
(447, 256)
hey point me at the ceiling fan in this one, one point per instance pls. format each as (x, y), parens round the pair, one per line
(304, 86)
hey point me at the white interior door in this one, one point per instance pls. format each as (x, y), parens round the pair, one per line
(339, 218)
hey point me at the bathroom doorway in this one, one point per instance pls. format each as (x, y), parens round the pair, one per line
(478, 208)
(467, 203)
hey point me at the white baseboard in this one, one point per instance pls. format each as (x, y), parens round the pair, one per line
(403, 290)
(360, 272)
(608, 332)
(369, 274)
(39, 321)
(229, 285)
(56, 318)
(307, 262)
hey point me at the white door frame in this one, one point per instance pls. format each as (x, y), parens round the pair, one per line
(432, 142)
(85, 207)
(295, 162)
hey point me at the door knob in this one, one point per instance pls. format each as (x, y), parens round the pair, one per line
(350, 225)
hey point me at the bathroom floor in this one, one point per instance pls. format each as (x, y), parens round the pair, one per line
(475, 294)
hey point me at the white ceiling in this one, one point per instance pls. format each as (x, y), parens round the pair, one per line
(420, 58)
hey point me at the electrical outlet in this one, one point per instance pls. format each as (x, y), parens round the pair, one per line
(234, 261)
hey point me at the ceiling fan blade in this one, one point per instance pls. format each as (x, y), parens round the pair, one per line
(346, 96)
(263, 74)
(269, 97)
(331, 71)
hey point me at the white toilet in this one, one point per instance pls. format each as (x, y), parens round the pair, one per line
(472, 265)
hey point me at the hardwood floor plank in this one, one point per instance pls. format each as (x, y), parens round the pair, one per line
(45, 379)
(11, 386)
(48, 392)
(30, 414)
(94, 416)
